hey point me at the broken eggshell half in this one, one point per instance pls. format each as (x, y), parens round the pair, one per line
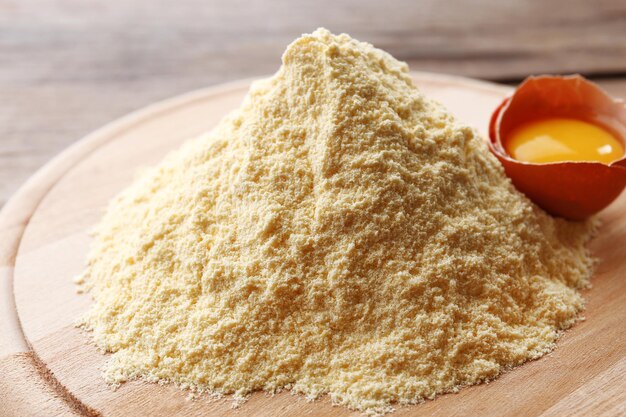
(573, 190)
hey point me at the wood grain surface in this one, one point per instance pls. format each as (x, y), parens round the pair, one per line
(70, 66)
(53, 369)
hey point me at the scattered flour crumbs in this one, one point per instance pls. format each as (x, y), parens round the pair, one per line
(338, 234)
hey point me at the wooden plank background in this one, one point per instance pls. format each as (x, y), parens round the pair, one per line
(70, 66)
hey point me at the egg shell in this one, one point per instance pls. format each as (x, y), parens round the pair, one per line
(573, 190)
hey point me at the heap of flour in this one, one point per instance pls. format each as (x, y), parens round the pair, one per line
(338, 234)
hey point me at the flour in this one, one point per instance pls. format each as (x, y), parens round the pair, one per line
(338, 234)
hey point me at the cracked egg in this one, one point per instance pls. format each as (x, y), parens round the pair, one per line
(562, 140)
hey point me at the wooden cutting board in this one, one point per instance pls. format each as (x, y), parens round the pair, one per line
(48, 367)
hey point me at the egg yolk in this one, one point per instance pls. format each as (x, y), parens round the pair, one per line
(560, 139)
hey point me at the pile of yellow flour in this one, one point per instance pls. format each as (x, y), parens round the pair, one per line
(339, 233)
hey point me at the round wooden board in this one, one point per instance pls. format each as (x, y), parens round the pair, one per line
(48, 366)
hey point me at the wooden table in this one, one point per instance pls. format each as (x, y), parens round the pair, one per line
(70, 66)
